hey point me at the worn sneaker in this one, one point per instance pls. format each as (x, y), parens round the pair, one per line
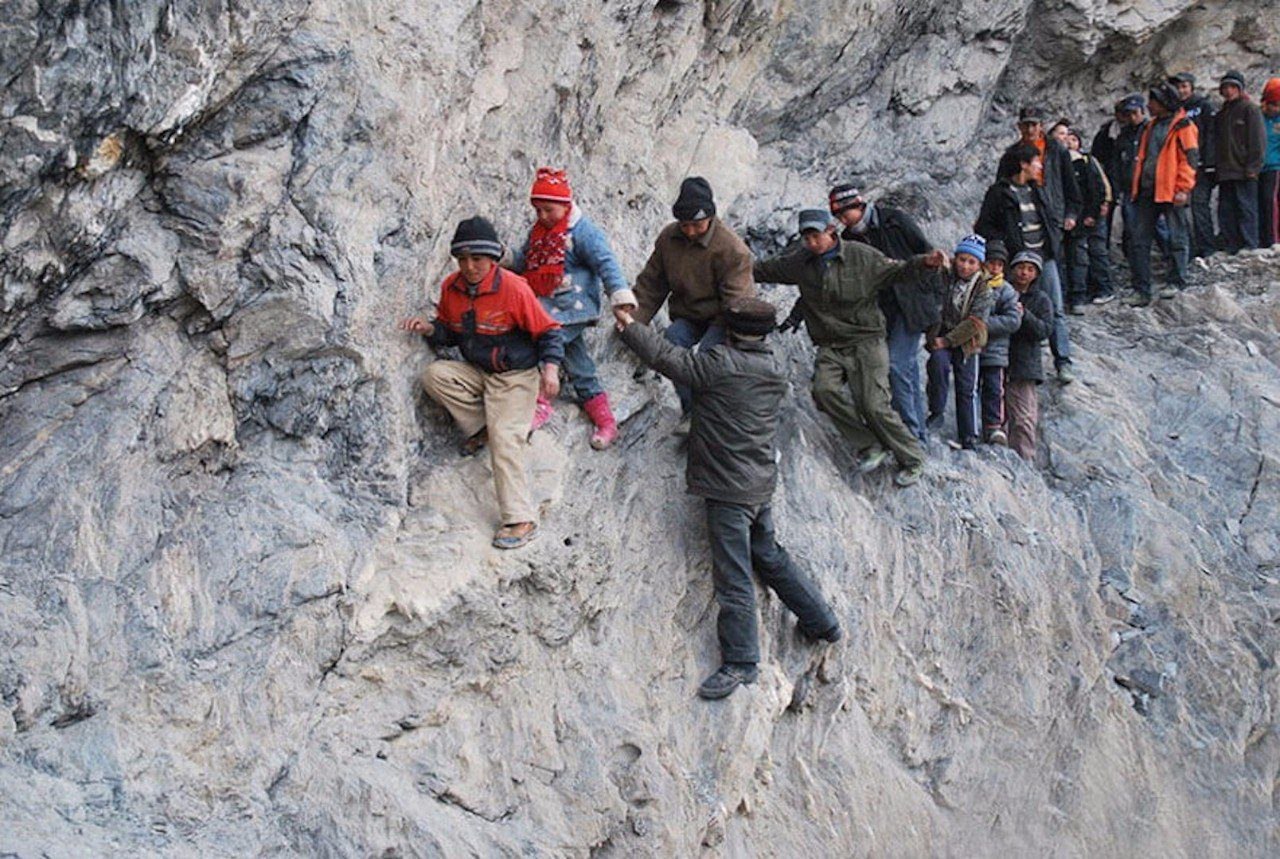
(515, 535)
(908, 475)
(935, 422)
(832, 635)
(872, 459)
(1104, 299)
(682, 427)
(1075, 309)
(1169, 292)
(727, 677)
(1138, 300)
(998, 437)
(1065, 375)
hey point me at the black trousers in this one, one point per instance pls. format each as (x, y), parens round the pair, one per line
(742, 540)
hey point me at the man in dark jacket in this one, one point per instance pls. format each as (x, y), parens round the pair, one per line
(1014, 210)
(737, 388)
(840, 283)
(1200, 111)
(1061, 202)
(909, 311)
(1095, 196)
(1241, 143)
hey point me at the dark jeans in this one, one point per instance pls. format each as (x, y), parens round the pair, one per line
(942, 365)
(742, 540)
(1076, 262)
(991, 383)
(1099, 281)
(1238, 214)
(904, 374)
(689, 333)
(1059, 339)
(1203, 243)
(1130, 210)
(1268, 208)
(1178, 219)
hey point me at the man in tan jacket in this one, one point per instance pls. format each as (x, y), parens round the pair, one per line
(702, 267)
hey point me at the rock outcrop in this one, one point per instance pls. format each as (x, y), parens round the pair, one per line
(247, 603)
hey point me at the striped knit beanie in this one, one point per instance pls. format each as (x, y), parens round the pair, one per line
(476, 236)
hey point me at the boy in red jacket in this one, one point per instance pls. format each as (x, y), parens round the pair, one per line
(493, 318)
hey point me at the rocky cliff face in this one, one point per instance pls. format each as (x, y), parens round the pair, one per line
(247, 603)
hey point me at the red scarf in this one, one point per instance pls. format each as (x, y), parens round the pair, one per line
(544, 261)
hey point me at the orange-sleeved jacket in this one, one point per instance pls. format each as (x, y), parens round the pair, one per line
(1175, 169)
(498, 325)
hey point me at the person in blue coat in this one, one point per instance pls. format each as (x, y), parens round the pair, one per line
(567, 261)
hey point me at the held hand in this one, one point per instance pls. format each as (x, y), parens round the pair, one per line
(622, 316)
(417, 325)
(1069, 224)
(549, 386)
(1089, 222)
(1180, 198)
(935, 259)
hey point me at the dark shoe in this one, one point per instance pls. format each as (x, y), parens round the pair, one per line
(1075, 309)
(831, 635)
(872, 458)
(1138, 300)
(1065, 376)
(474, 444)
(908, 475)
(1104, 299)
(935, 423)
(1169, 292)
(728, 677)
(515, 535)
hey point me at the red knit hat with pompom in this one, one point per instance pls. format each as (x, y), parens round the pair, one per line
(551, 185)
(1271, 92)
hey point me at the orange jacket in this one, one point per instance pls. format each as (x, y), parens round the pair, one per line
(1174, 170)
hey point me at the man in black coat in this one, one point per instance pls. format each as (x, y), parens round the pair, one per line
(908, 313)
(1061, 201)
(1200, 111)
(737, 388)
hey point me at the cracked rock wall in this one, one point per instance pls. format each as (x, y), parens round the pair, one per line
(247, 603)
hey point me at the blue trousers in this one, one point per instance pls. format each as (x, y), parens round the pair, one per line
(904, 374)
(1238, 214)
(579, 364)
(689, 333)
(1059, 339)
(1100, 259)
(942, 365)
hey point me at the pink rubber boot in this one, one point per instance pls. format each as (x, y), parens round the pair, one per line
(597, 408)
(541, 414)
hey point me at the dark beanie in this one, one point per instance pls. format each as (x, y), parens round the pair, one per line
(476, 236)
(695, 201)
(997, 250)
(750, 316)
(1232, 77)
(1165, 94)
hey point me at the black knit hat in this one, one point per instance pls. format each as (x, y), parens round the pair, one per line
(844, 197)
(1166, 95)
(997, 250)
(1232, 77)
(1030, 113)
(750, 316)
(695, 201)
(476, 236)
(1183, 78)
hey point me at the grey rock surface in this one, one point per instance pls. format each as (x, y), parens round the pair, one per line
(247, 602)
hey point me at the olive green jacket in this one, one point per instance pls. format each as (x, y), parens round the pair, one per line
(838, 296)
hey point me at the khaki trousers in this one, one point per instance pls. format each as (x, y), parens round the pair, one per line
(851, 384)
(1021, 405)
(504, 403)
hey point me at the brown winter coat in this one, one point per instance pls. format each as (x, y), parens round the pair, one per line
(701, 276)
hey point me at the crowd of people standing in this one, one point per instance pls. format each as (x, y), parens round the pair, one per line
(874, 295)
